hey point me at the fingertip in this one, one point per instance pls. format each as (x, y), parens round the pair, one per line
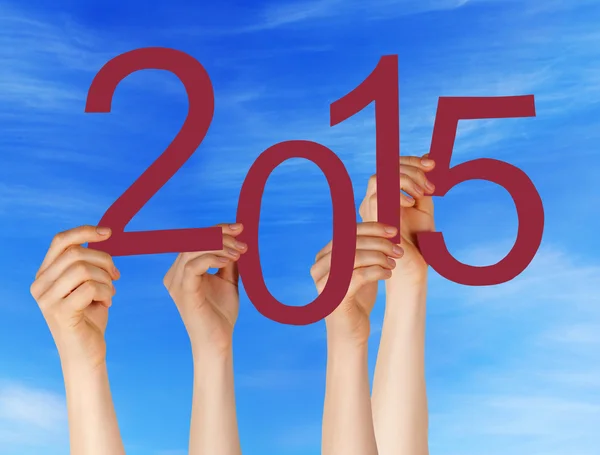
(390, 230)
(103, 231)
(428, 163)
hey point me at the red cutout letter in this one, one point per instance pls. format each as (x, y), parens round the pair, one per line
(529, 206)
(344, 232)
(201, 108)
(380, 87)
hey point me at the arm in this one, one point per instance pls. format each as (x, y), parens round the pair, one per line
(74, 291)
(93, 426)
(208, 305)
(213, 426)
(347, 416)
(399, 396)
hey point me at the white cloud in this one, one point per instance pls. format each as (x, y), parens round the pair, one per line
(30, 416)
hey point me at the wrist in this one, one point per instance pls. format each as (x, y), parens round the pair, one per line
(203, 352)
(405, 304)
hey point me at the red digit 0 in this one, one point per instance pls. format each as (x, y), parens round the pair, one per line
(527, 200)
(201, 109)
(381, 87)
(344, 232)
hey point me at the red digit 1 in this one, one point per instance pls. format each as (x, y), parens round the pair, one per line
(344, 232)
(527, 200)
(381, 87)
(201, 109)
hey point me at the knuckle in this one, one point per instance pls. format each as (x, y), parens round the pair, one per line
(59, 238)
(82, 269)
(33, 289)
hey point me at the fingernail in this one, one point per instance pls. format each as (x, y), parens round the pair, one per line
(390, 230)
(427, 162)
(231, 252)
(419, 190)
(391, 262)
(235, 226)
(223, 259)
(429, 185)
(397, 250)
(410, 198)
(240, 245)
(103, 230)
(116, 271)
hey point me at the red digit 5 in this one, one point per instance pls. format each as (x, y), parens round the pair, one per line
(201, 109)
(381, 87)
(527, 200)
(344, 232)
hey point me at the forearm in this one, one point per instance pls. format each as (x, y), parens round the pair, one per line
(347, 416)
(399, 397)
(214, 428)
(93, 426)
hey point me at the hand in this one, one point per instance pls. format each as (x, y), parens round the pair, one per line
(373, 262)
(416, 214)
(207, 303)
(74, 290)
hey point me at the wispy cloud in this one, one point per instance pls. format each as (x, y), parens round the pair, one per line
(31, 417)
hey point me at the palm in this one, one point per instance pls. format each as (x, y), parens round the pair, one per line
(219, 297)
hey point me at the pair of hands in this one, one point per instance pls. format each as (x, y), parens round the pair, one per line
(74, 285)
(74, 290)
(377, 258)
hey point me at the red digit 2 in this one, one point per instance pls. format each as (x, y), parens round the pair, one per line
(527, 200)
(344, 232)
(201, 109)
(381, 87)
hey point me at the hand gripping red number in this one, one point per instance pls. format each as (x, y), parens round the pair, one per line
(201, 109)
(344, 232)
(529, 206)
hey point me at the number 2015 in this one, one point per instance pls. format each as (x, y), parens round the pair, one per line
(380, 87)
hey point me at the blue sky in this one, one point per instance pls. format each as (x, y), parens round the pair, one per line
(510, 369)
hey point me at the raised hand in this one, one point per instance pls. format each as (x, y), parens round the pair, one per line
(74, 290)
(208, 303)
(374, 261)
(416, 213)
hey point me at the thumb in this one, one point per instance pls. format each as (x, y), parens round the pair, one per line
(230, 273)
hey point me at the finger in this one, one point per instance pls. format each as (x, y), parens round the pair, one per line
(87, 293)
(367, 229)
(172, 272)
(231, 229)
(200, 265)
(76, 236)
(231, 249)
(411, 187)
(75, 253)
(75, 275)
(363, 258)
(370, 243)
(360, 277)
(418, 177)
(424, 163)
(230, 272)
(366, 275)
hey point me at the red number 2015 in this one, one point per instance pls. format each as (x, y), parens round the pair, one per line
(380, 87)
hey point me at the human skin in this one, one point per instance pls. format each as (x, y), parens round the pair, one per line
(209, 305)
(347, 415)
(399, 397)
(74, 288)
